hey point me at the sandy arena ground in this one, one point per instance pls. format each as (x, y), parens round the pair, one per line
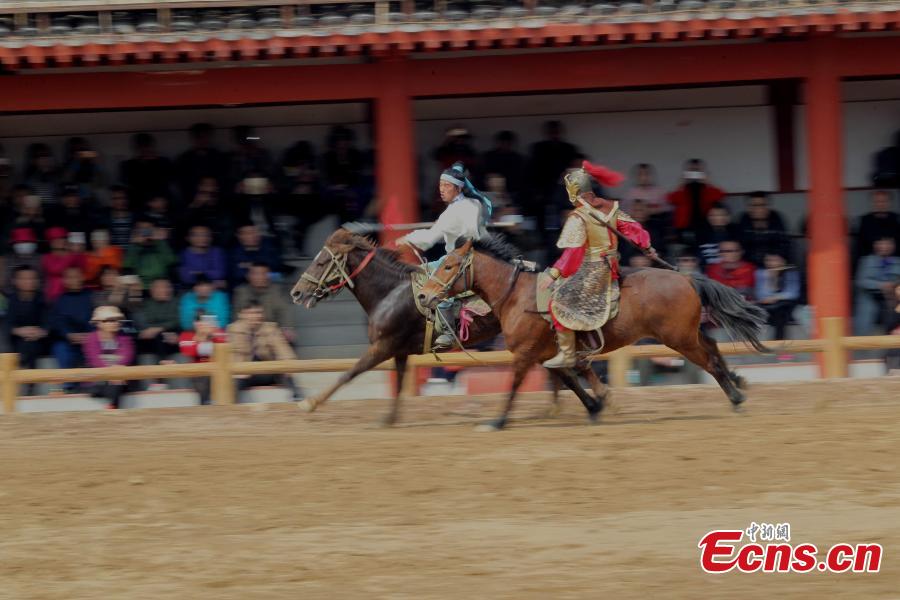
(246, 503)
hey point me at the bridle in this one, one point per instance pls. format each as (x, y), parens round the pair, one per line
(467, 268)
(335, 275)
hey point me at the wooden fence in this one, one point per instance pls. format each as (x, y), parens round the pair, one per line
(222, 370)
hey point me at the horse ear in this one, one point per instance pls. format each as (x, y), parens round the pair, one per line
(463, 244)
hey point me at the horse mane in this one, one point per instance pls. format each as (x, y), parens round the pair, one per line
(386, 259)
(498, 247)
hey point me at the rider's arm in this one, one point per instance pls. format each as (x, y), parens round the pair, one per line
(572, 240)
(633, 230)
(450, 222)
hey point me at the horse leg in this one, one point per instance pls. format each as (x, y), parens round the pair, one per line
(570, 379)
(520, 369)
(706, 356)
(374, 356)
(400, 368)
(555, 406)
(600, 389)
(713, 348)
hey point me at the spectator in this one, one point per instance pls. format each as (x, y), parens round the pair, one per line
(24, 254)
(549, 159)
(300, 187)
(887, 166)
(763, 231)
(504, 160)
(102, 255)
(692, 201)
(202, 258)
(343, 167)
(157, 212)
(251, 248)
(882, 222)
(875, 279)
(196, 343)
(6, 173)
(688, 263)
(200, 161)
(41, 173)
(26, 317)
(732, 270)
(107, 346)
(157, 321)
(149, 254)
(70, 320)
(253, 338)
(652, 224)
(30, 215)
(203, 298)
(645, 190)
(119, 220)
(639, 261)
(249, 157)
(456, 147)
(81, 168)
(274, 302)
(255, 202)
(55, 264)
(893, 328)
(778, 291)
(717, 229)
(124, 291)
(147, 174)
(205, 209)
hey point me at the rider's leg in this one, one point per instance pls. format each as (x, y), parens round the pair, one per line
(448, 310)
(565, 338)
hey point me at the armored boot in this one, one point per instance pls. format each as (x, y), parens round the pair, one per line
(448, 317)
(566, 356)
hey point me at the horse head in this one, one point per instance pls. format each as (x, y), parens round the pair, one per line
(328, 272)
(448, 279)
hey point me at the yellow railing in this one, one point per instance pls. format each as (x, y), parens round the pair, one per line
(222, 370)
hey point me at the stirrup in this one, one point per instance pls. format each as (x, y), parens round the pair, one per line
(561, 361)
(443, 342)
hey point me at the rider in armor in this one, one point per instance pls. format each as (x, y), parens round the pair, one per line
(466, 215)
(586, 292)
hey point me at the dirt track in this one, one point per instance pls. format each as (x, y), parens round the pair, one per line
(248, 503)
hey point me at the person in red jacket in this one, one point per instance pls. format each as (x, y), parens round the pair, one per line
(692, 201)
(732, 270)
(198, 346)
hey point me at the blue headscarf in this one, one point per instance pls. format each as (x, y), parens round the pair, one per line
(457, 176)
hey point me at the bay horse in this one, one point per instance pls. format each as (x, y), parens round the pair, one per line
(381, 283)
(653, 303)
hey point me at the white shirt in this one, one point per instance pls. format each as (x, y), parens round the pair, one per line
(462, 218)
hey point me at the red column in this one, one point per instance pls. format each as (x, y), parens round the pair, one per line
(394, 147)
(829, 272)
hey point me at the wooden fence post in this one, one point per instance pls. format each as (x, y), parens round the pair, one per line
(833, 329)
(9, 389)
(619, 364)
(222, 380)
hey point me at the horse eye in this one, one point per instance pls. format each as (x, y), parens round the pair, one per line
(447, 267)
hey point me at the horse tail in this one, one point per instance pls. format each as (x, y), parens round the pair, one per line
(731, 311)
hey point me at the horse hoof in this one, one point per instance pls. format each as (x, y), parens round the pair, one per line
(739, 381)
(306, 406)
(594, 418)
(387, 422)
(552, 411)
(488, 427)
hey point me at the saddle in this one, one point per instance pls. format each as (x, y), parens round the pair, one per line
(434, 327)
(589, 341)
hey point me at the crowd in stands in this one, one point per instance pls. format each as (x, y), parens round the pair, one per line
(171, 255)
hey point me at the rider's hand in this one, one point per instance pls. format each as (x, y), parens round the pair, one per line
(401, 241)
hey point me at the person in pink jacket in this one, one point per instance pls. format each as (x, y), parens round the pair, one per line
(107, 346)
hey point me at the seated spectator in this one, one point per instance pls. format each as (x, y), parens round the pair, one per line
(274, 302)
(645, 190)
(206, 209)
(202, 258)
(875, 280)
(30, 215)
(205, 298)
(732, 270)
(893, 328)
(763, 230)
(778, 291)
(107, 346)
(26, 317)
(41, 173)
(717, 229)
(639, 261)
(692, 201)
(342, 167)
(70, 320)
(71, 212)
(101, 255)
(505, 161)
(196, 343)
(157, 212)
(147, 174)
(248, 156)
(251, 248)
(201, 160)
(157, 321)
(301, 188)
(119, 219)
(24, 254)
(81, 167)
(252, 338)
(688, 263)
(887, 166)
(882, 222)
(60, 259)
(122, 290)
(149, 254)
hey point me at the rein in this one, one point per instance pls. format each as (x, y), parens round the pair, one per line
(468, 270)
(337, 271)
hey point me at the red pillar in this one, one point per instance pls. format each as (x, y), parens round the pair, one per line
(829, 272)
(394, 146)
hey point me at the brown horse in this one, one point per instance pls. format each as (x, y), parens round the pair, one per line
(654, 303)
(381, 283)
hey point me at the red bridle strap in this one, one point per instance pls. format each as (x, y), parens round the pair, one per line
(365, 263)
